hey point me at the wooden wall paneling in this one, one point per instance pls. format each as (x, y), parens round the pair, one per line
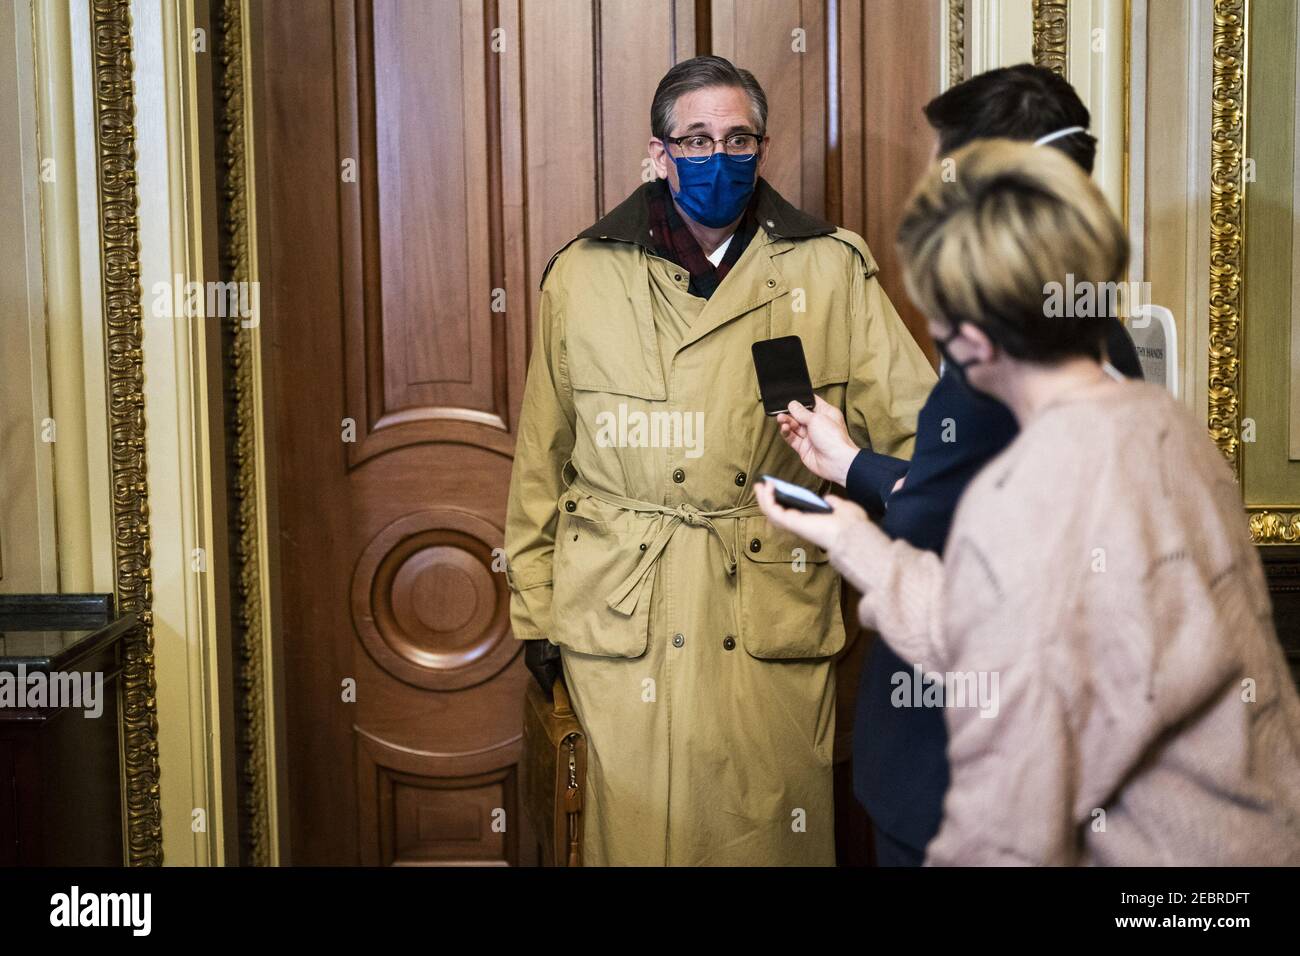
(901, 44)
(558, 90)
(637, 43)
(518, 282)
(304, 369)
(846, 140)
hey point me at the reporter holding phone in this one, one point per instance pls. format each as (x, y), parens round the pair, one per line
(1098, 571)
(900, 769)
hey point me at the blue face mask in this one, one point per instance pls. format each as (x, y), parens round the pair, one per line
(715, 193)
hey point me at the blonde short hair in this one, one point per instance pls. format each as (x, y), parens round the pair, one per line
(990, 228)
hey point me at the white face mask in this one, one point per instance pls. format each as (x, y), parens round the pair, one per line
(1059, 134)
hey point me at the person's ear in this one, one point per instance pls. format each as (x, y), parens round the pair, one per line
(982, 348)
(659, 156)
(762, 154)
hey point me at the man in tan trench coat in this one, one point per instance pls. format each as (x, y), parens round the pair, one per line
(697, 640)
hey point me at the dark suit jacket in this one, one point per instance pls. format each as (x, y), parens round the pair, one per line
(900, 767)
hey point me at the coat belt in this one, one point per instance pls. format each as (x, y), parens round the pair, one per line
(624, 598)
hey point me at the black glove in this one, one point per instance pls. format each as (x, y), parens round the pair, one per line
(542, 658)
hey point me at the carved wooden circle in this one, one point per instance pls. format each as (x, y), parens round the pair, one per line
(427, 605)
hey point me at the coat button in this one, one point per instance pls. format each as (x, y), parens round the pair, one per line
(643, 546)
(729, 643)
(678, 640)
(740, 478)
(755, 545)
(677, 277)
(679, 476)
(570, 506)
(771, 283)
(770, 225)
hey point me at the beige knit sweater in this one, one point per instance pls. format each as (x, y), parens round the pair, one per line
(1100, 586)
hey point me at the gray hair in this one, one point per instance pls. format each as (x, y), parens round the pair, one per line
(699, 73)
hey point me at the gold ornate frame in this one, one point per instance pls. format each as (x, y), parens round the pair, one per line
(1051, 35)
(1227, 251)
(956, 41)
(251, 676)
(132, 552)
(1227, 226)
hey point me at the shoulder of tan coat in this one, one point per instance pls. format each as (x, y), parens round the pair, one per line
(581, 254)
(553, 274)
(859, 246)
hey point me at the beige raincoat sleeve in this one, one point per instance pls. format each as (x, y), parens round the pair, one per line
(546, 430)
(889, 376)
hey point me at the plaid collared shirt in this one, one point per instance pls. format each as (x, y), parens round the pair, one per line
(674, 242)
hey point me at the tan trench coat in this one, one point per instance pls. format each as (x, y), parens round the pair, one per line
(697, 640)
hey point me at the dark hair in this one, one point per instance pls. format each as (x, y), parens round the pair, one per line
(1021, 102)
(699, 73)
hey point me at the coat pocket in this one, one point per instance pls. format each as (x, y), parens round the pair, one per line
(592, 558)
(789, 595)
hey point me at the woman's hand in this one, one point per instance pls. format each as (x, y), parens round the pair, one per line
(820, 438)
(819, 528)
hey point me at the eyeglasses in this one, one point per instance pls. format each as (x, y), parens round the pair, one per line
(697, 148)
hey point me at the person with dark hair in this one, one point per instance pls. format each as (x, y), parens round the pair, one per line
(697, 641)
(900, 767)
(1022, 102)
(1027, 102)
(1113, 687)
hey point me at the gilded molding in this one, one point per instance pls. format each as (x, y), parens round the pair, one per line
(956, 42)
(132, 551)
(253, 767)
(1227, 227)
(1274, 527)
(1227, 252)
(1051, 35)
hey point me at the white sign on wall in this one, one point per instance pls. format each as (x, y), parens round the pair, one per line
(1156, 338)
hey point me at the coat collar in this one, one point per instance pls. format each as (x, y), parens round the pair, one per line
(630, 220)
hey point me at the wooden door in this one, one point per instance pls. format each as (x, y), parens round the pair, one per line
(419, 161)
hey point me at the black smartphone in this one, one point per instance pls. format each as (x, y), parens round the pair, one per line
(793, 496)
(782, 373)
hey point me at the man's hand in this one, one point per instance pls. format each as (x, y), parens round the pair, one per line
(542, 658)
(820, 438)
(820, 529)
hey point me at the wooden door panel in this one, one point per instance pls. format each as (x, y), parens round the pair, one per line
(431, 136)
(390, 234)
